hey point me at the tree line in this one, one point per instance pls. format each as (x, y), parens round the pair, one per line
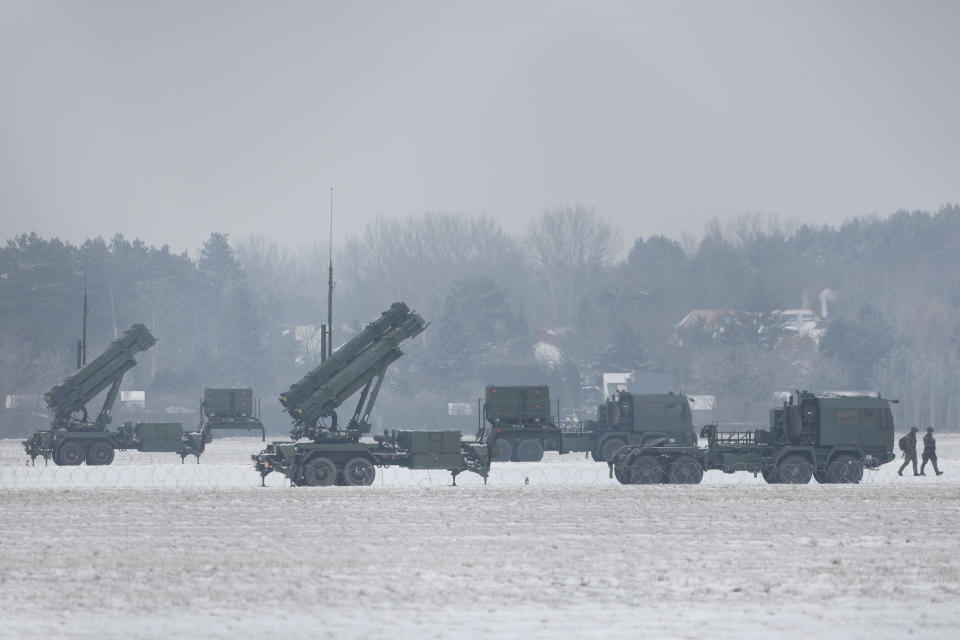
(559, 304)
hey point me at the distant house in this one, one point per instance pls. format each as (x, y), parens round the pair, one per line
(636, 382)
(798, 321)
(706, 318)
(710, 321)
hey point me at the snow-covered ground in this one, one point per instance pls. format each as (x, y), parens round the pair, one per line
(148, 547)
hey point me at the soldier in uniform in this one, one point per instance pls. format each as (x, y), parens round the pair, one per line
(929, 452)
(909, 451)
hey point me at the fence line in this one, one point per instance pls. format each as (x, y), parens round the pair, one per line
(147, 475)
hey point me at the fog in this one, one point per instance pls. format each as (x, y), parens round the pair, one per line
(167, 120)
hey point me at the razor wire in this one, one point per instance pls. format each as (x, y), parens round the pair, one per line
(217, 476)
(227, 464)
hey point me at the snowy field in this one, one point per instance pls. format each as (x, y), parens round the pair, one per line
(151, 548)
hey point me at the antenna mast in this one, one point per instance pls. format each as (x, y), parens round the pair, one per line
(82, 344)
(330, 285)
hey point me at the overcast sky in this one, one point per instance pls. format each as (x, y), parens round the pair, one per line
(168, 120)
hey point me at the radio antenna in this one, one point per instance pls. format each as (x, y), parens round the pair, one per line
(82, 344)
(330, 285)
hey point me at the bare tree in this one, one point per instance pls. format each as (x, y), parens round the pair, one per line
(568, 248)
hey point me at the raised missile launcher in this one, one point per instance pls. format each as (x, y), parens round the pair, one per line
(832, 439)
(73, 438)
(323, 452)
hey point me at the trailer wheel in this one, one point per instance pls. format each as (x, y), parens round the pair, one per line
(502, 450)
(794, 469)
(646, 470)
(70, 454)
(685, 470)
(845, 469)
(100, 453)
(319, 472)
(608, 448)
(529, 450)
(358, 472)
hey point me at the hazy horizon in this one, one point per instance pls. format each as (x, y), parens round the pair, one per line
(166, 121)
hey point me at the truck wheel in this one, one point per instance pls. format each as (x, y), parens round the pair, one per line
(794, 469)
(622, 473)
(551, 444)
(646, 470)
(770, 475)
(319, 472)
(100, 453)
(820, 475)
(358, 472)
(685, 470)
(845, 469)
(502, 450)
(529, 450)
(608, 448)
(70, 454)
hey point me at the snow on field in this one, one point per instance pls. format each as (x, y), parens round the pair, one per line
(148, 547)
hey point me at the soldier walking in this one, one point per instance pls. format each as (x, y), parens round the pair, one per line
(908, 444)
(929, 452)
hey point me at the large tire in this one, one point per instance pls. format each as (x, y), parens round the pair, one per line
(820, 475)
(608, 448)
(794, 469)
(319, 472)
(770, 475)
(501, 451)
(685, 470)
(845, 469)
(100, 453)
(358, 472)
(646, 470)
(529, 450)
(70, 454)
(622, 473)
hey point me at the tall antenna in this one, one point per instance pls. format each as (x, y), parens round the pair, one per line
(330, 285)
(82, 344)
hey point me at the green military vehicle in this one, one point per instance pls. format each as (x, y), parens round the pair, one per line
(633, 419)
(521, 427)
(230, 409)
(832, 439)
(323, 452)
(73, 438)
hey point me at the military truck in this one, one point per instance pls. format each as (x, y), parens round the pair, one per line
(633, 419)
(73, 438)
(521, 427)
(323, 452)
(516, 424)
(230, 409)
(832, 439)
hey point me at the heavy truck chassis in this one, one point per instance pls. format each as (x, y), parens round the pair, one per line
(71, 448)
(830, 439)
(350, 463)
